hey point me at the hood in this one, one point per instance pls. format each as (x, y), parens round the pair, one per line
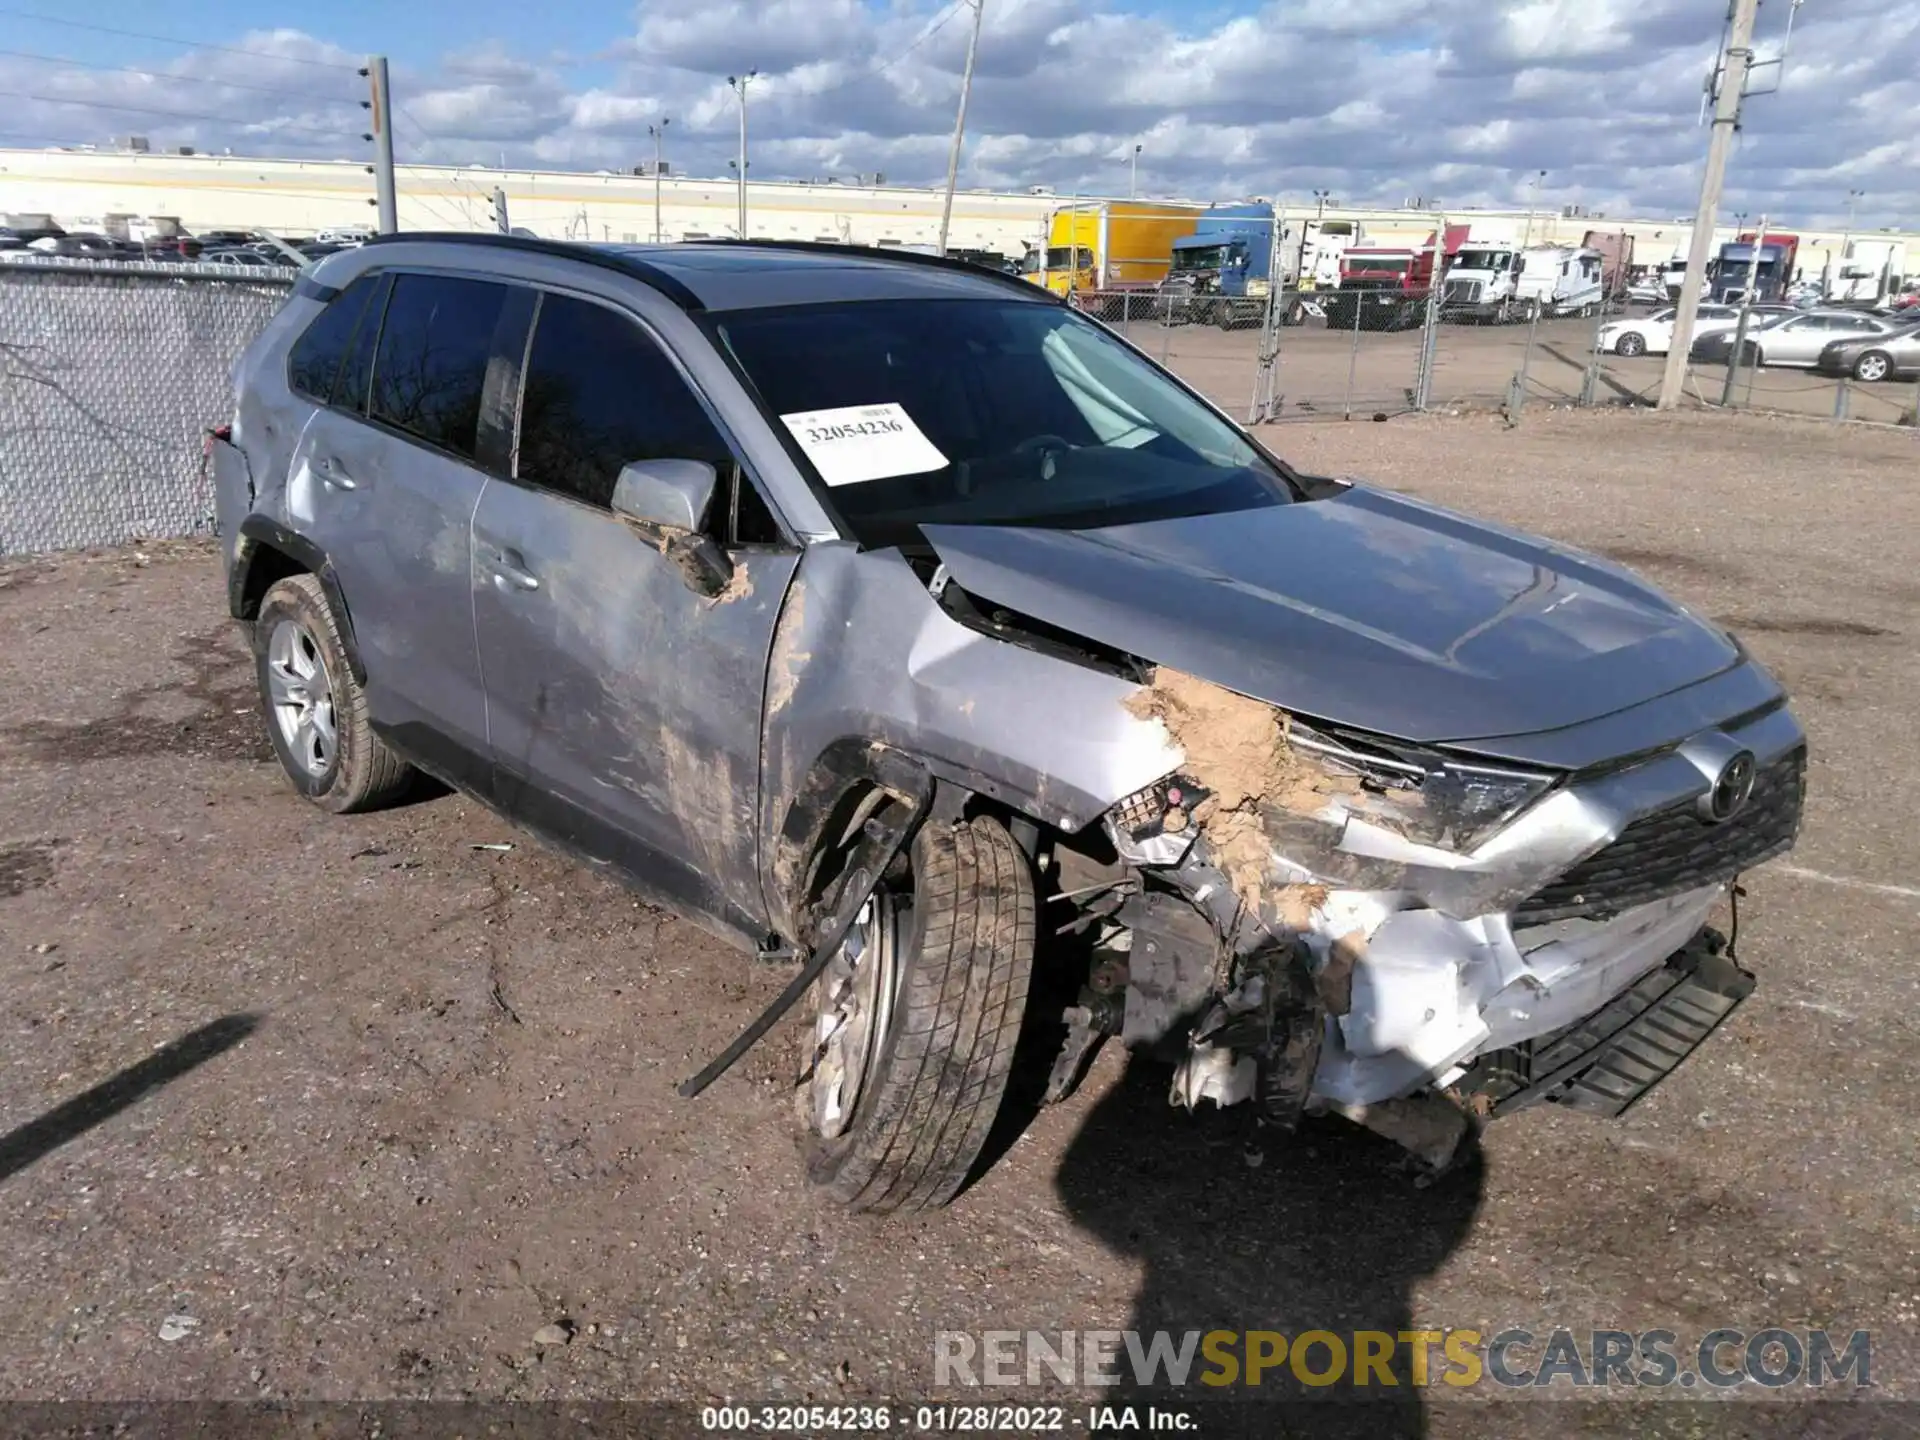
(1365, 609)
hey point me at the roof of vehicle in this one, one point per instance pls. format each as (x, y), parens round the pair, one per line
(738, 275)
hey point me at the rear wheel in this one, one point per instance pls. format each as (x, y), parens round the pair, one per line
(916, 1023)
(316, 711)
(1873, 367)
(1629, 345)
(1751, 356)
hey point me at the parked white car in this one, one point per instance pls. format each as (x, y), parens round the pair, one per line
(1653, 334)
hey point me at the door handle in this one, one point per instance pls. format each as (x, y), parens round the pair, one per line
(509, 569)
(333, 474)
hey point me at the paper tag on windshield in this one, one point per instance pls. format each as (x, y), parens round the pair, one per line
(863, 442)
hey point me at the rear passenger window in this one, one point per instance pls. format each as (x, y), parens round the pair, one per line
(432, 361)
(599, 395)
(314, 361)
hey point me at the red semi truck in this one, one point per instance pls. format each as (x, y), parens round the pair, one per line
(1382, 288)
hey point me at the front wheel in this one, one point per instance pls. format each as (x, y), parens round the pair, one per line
(1630, 345)
(916, 1023)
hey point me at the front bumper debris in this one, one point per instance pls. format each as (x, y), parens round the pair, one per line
(1606, 1063)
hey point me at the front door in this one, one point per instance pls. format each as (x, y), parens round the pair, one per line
(385, 480)
(624, 707)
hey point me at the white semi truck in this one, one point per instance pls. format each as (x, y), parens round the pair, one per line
(1503, 282)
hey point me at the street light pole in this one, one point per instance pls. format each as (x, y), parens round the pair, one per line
(1533, 198)
(960, 124)
(739, 84)
(1133, 174)
(659, 134)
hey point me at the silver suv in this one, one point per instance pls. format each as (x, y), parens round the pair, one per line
(896, 621)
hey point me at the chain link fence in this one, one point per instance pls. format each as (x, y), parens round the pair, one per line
(109, 375)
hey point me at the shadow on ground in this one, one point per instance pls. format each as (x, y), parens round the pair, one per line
(1326, 1232)
(21, 1147)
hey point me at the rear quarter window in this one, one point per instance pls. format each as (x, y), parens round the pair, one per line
(313, 364)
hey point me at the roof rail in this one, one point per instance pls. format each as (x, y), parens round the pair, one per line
(589, 254)
(887, 252)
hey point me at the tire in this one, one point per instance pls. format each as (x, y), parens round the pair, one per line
(923, 1115)
(1630, 345)
(1752, 357)
(298, 655)
(1873, 367)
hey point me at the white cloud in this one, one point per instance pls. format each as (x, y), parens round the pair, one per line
(1375, 99)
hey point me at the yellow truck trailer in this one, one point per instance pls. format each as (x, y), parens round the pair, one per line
(1112, 244)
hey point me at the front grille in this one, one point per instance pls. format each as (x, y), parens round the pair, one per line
(1463, 292)
(1674, 850)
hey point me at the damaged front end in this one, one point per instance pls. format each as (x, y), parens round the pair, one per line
(1316, 920)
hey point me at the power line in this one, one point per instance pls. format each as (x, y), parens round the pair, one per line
(193, 79)
(174, 40)
(925, 35)
(334, 134)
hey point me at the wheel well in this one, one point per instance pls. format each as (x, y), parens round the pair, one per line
(266, 568)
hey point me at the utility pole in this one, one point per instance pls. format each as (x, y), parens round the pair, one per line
(960, 124)
(659, 134)
(739, 84)
(380, 107)
(1133, 174)
(1726, 119)
(500, 221)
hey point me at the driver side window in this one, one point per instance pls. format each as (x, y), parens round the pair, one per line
(600, 394)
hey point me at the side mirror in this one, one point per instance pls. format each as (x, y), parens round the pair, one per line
(671, 493)
(666, 502)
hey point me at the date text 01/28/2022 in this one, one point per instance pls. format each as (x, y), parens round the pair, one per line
(935, 1419)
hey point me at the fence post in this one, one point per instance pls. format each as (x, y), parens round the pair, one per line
(1517, 391)
(1126, 314)
(1590, 382)
(1841, 399)
(1353, 355)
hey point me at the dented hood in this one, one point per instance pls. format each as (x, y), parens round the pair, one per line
(1367, 609)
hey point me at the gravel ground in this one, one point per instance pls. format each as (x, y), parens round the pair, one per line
(379, 1105)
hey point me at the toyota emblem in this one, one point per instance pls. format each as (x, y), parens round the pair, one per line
(1732, 788)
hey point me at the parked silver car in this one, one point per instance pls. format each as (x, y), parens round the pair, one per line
(1794, 340)
(1873, 358)
(893, 619)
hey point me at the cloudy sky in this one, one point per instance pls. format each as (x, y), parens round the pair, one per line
(1464, 101)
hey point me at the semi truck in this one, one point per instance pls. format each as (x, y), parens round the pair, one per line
(1381, 287)
(1615, 249)
(1734, 269)
(1870, 272)
(1501, 283)
(1222, 273)
(1109, 245)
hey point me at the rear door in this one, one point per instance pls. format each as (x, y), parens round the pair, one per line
(385, 480)
(624, 707)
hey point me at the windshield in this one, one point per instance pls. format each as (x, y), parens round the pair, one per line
(1068, 257)
(1662, 317)
(1483, 260)
(1201, 257)
(988, 412)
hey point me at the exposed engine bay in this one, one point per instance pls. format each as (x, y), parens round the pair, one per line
(1314, 922)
